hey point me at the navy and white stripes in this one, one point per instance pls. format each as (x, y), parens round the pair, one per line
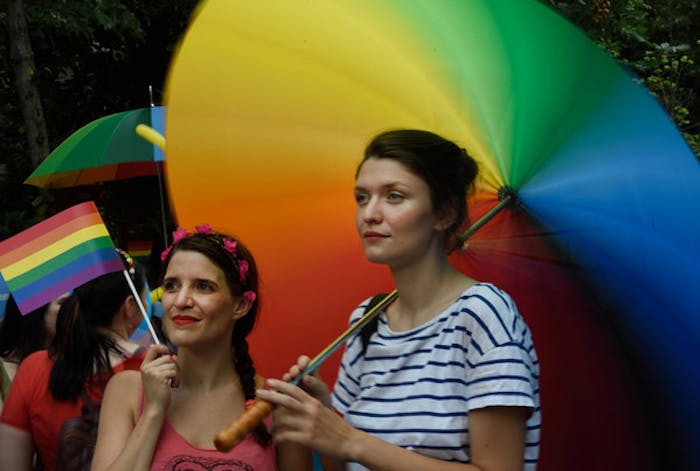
(415, 388)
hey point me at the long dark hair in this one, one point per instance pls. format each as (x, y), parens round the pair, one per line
(447, 169)
(212, 245)
(22, 335)
(79, 349)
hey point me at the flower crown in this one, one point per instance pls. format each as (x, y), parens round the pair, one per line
(228, 244)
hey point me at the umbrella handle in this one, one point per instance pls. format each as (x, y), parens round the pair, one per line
(151, 135)
(234, 433)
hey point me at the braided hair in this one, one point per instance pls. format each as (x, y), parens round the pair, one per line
(240, 270)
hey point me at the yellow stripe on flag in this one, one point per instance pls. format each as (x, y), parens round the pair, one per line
(47, 253)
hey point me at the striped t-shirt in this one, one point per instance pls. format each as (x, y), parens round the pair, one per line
(415, 388)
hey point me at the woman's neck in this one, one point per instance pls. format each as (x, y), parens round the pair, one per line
(115, 333)
(120, 338)
(425, 289)
(208, 370)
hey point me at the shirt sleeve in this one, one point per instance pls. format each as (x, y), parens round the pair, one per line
(502, 377)
(503, 365)
(15, 409)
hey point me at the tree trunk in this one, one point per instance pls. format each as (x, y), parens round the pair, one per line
(27, 92)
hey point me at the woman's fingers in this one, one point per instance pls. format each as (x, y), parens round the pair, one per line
(159, 367)
(155, 351)
(281, 393)
(295, 370)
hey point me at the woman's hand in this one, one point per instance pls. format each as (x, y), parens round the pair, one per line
(159, 373)
(311, 383)
(303, 419)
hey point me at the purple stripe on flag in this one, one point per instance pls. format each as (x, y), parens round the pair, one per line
(44, 297)
(54, 272)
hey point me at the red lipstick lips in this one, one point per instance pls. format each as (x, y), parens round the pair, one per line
(184, 320)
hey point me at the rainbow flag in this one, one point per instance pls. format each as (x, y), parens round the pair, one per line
(57, 255)
(139, 249)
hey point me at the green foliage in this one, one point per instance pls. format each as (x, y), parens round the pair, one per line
(92, 58)
(658, 41)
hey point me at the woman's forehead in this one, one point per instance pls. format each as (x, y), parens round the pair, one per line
(385, 171)
(191, 263)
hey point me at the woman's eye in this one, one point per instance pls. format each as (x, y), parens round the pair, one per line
(202, 286)
(395, 197)
(169, 285)
(361, 198)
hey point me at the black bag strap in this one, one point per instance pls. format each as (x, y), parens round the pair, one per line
(371, 327)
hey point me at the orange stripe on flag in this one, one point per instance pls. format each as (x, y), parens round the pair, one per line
(56, 234)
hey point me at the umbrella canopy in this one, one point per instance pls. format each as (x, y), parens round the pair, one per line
(269, 110)
(103, 150)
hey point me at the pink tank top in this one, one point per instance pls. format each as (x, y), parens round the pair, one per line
(174, 453)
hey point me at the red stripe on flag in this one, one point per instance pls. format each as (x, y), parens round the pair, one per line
(34, 245)
(46, 226)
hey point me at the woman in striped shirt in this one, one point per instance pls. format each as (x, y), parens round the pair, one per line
(449, 379)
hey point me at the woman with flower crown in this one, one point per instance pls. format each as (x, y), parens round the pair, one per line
(166, 415)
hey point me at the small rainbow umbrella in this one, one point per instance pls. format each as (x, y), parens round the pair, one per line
(103, 150)
(269, 109)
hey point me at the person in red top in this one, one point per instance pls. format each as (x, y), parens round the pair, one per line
(23, 334)
(91, 343)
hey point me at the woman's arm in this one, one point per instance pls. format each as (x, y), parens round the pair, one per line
(497, 436)
(126, 440)
(293, 457)
(16, 448)
(496, 443)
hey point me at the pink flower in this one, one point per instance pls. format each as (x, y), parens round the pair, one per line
(179, 234)
(242, 269)
(204, 229)
(164, 254)
(250, 296)
(230, 245)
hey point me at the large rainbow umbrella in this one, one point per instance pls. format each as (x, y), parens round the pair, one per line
(270, 106)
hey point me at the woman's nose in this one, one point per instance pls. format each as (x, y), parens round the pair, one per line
(372, 211)
(183, 297)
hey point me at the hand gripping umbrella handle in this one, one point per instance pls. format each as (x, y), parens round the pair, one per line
(234, 433)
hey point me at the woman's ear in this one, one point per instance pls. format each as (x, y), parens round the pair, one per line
(445, 219)
(241, 307)
(132, 311)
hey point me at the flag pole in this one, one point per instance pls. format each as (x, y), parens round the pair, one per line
(141, 307)
(160, 178)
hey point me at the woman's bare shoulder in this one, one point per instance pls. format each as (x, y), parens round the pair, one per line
(125, 384)
(126, 377)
